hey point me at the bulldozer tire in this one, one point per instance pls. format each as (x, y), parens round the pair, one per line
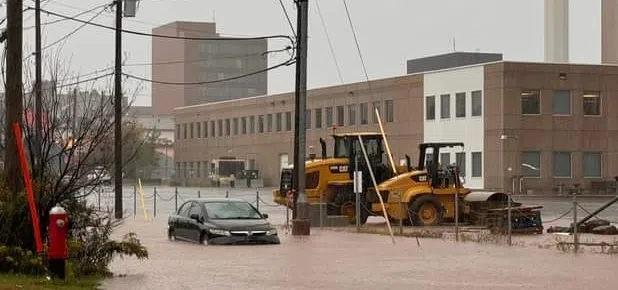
(426, 210)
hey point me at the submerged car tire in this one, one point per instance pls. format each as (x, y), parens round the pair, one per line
(170, 234)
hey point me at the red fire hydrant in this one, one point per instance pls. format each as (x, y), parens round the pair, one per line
(58, 250)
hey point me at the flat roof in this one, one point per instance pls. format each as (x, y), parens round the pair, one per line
(395, 77)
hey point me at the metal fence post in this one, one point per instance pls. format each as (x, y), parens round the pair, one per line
(400, 215)
(134, 200)
(257, 200)
(176, 199)
(575, 237)
(321, 214)
(457, 215)
(227, 193)
(199, 195)
(155, 203)
(99, 198)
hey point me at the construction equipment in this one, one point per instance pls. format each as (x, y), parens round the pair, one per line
(330, 179)
(425, 196)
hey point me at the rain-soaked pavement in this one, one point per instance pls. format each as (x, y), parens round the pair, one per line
(341, 260)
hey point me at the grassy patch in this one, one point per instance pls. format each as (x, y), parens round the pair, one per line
(10, 281)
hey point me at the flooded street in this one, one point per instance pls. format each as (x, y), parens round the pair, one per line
(340, 260)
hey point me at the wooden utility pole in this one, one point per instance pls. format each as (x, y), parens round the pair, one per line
(118, 115)
(300, 223)
(38, 101)
(14, 105)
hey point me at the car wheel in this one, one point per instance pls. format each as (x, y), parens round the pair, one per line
(171, 235)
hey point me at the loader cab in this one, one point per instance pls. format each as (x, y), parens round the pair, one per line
(348, 146)
(441, 176)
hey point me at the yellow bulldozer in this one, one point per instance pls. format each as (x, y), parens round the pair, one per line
(424, 195)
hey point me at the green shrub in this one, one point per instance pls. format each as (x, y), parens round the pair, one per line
(19, 261)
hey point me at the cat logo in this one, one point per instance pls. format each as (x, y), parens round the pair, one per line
(338, 168)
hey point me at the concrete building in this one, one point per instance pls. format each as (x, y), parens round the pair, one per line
(200, 61)
(538, 125)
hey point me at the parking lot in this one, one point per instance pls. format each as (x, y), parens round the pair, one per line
(340, 260)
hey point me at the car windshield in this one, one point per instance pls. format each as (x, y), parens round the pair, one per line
(231, 210)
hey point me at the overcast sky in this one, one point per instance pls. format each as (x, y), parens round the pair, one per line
(389, 33)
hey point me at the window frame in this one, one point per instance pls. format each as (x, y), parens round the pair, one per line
(570, 102)
(540, 161)
(430, 108)
(457, 103)
(555, 154)
(522, 96)
(443, 97)
(597, 95)
(472, 155)
(600, 154)
(473, 95)
(389, 111)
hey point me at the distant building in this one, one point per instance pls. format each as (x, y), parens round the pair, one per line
(529, 126)
(195, 61)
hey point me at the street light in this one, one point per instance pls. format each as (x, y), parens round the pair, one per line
(510, 169)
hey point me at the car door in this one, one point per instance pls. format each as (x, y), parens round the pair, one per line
(193, 226)
(182, 220)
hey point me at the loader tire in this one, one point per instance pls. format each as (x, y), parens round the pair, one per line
(426, 210)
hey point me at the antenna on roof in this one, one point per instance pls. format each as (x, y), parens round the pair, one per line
(454, 49)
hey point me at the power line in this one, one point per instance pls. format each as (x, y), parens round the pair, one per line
(287, 16)
(64, 19)
(356, 39)
(288, 62)
(165, 36)
(72, 32)
(330, 45)
(84, 81)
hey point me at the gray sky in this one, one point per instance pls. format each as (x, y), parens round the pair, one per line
(389, 33)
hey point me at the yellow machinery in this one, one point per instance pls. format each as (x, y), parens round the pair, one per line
(330, 179)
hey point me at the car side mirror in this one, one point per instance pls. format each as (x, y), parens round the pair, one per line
(265, 215)
(195, 217)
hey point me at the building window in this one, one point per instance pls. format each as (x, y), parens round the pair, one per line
(445, 159)
(235, 126)
(261, 124)
(318, 118)
(477, 164)
(531, 164)
(530, 102)
(198, 129)
(212, 129)
(308, 119)
(278, 122)
(329, 116)
(477, 103)
(562, 102)
(220, 125)
(269, 123)
(376, 106)
(340, 116)
(184, 129)
(251, 124)
(445, 106)
(430, 107)
(460, 105)
(227, 127)
(191, 131)
(288, 121)
(592, 103)
(364, 114)
(205, 125)
(390, 111)
(460, 159)
(243, 125)
(351, 115)
(562, 164)
(592, 165)
(178, 131)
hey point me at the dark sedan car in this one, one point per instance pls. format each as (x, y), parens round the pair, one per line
(221, 221)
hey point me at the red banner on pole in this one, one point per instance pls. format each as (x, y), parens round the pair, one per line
(28, 184)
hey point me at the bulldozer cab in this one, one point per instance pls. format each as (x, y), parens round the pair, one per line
(348, 146)
(440, 175)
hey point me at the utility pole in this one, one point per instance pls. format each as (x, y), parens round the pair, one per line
(38, 101)
(300, 223)
(118, 115)
(14, 96)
